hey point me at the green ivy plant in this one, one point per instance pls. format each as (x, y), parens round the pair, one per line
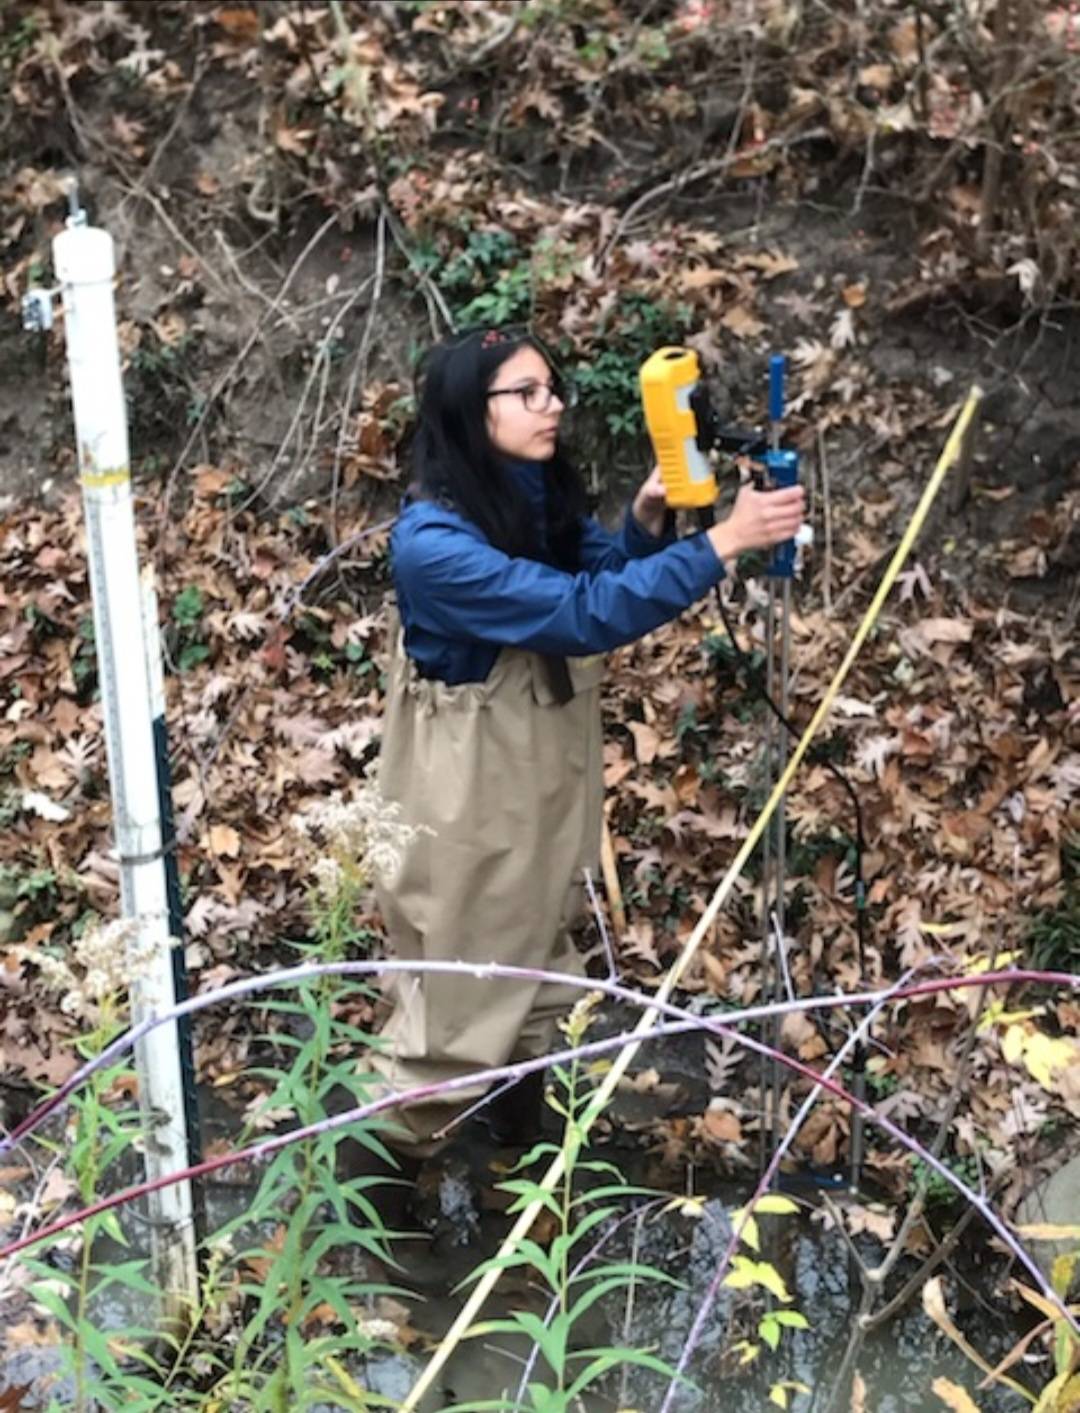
(187, 611)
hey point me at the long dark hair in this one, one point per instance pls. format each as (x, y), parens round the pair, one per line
(453, 459)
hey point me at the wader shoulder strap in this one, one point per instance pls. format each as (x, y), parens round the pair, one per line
(558, 676)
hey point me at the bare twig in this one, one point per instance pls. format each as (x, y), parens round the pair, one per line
(609, 868)
(237, 363)
(253, 289)
(826, 515)
(874, 1279)
(856, 1038)
(915, 1282)
(695, 173)
(359, 371)
(321, 359)
(649, 1003)
(999, 132)
(598, 915)
(868, 168)
(431, 291)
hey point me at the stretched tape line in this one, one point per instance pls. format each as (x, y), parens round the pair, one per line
(460, 1327)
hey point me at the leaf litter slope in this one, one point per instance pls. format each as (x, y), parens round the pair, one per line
(956, 726)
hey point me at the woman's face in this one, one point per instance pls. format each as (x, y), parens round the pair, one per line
(523, 382)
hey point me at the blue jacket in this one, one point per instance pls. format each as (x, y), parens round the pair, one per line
(461, 599)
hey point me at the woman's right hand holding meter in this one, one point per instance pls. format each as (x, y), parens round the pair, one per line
(759, 520)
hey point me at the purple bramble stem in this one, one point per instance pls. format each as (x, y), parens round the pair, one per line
(599, 1047)
(350, 1116)
(289, 976)
(696, 1330)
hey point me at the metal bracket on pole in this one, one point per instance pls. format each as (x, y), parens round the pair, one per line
(85, 266)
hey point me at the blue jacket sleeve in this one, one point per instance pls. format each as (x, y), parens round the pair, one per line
(451, 581)
(602, 549)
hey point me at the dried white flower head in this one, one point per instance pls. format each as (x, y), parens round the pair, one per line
(99, 967)
(329, 876)
(385, 1331)
(581, 1016)
(365, 832)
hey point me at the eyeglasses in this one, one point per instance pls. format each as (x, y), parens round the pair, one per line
(537, 397)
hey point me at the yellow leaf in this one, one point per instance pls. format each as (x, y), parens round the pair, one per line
(981, 964)
(778, 1395)
(1038, 1300)
(1012, 1043)
(1061, 1273)
(686, 1206)
(953, 1396)
(745, 1273)
(1069, 1402)
(1049, 1402)
(1043, 1055)
(774, 1203)
(934, 1305)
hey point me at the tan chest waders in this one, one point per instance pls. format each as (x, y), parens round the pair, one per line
(510, 781)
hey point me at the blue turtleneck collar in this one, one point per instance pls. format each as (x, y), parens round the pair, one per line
(530, 477)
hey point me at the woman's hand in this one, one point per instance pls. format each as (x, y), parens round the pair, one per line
(758, 520)
(650, 505)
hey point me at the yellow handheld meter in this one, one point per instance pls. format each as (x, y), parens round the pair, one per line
(668, 380)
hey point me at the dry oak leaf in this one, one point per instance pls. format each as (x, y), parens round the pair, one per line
(223, 840)
(742, 323)
(842, 329)
(770, 263)
(703, 277)
(858, 1395)
(877, 1222)
(211, 480)
(854, 296)
(239, 23)
(294, 140)
(654, 796)
(800, 1032)
(646, 741)
(721, 1126)
(953, 1396)
(820, 1137)
(963, 829)
(26, 1335)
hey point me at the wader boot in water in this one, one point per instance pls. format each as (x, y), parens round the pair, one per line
(507, 775)
(514, 1116)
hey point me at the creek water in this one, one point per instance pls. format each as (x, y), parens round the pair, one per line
(898, 1364)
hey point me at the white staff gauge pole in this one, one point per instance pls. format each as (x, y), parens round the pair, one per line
(85, 265)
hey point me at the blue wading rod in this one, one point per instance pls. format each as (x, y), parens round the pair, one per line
(782, 469)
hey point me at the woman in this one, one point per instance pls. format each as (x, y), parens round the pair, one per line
(507, 595)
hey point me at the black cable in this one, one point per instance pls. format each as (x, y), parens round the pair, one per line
(753, 676)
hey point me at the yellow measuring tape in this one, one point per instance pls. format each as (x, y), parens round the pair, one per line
(460, 1327)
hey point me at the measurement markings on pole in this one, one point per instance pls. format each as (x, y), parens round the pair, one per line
(85, 266)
